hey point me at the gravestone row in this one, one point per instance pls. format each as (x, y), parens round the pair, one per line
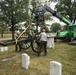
(55, 67)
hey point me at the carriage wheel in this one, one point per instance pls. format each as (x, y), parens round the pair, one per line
(25, 46)
(35, 45)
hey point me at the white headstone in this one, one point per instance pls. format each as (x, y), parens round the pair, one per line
(55, 68)
(25, 60)
(2, 49)
(6, 48)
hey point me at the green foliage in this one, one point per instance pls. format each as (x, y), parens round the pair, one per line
(55, 27)
(47, 30)
(65, 27)
(48, 16)
(13, 11)
(16, 10)
(67, 8)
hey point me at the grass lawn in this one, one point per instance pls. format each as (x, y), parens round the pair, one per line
(6, 35)
(63, 53)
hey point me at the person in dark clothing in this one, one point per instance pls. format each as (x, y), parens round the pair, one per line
(43, 42)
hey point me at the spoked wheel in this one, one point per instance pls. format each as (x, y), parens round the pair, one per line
(35, 44)
(26, 43)
(25, 46)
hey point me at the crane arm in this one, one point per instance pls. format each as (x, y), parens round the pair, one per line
(59, 16)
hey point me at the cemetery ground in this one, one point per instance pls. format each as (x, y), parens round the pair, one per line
(6, 35)
(11, 61)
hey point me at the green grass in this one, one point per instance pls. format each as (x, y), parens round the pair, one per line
(63, 53)
(6, 35)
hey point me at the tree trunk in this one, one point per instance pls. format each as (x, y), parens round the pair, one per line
(37, 24)
(12, 34)
(12, 30)
(2, 33)
(75, 18)
(37, 28)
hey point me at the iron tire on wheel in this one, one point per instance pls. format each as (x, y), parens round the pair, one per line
(34, 45)
(25, 46)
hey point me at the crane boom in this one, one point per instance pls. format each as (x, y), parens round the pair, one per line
(59, 16)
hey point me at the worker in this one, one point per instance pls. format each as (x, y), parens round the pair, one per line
(43, 42)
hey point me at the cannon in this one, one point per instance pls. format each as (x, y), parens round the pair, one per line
(23, 42)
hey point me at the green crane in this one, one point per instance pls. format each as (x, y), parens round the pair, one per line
(70, 33)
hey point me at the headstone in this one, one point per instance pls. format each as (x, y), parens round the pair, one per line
(55, 68)
(25, 60)
(2, 49)
(6, 48)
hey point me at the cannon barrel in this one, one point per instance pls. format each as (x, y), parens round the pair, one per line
(10, 43)
(14, 42)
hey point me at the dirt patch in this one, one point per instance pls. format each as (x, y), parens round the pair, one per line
(9, 58)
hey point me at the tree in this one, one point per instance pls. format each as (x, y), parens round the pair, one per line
(13, 11)
(65, 27)
(55, 27)
(2, 28)
(48, 16)
(67, 8)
